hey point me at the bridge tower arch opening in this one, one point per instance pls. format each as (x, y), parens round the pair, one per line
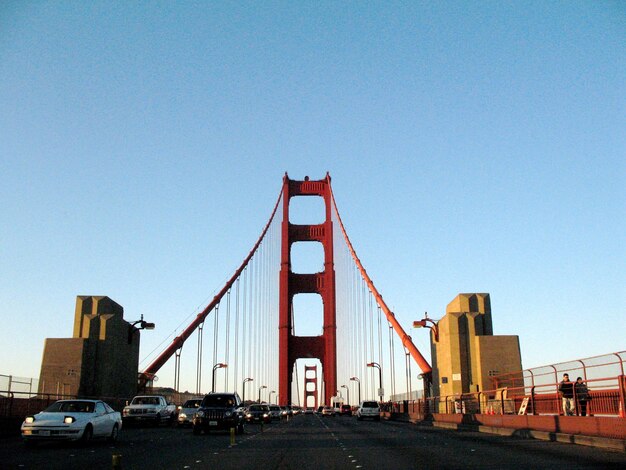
(291, 346)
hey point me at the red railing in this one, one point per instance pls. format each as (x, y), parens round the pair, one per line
(606, 398)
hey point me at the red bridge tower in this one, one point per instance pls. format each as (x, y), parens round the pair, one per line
(292, 347)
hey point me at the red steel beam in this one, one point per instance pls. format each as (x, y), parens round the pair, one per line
(178, 342)
(406, 339)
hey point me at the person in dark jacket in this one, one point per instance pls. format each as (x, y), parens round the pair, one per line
(566, 391)
(582, 396)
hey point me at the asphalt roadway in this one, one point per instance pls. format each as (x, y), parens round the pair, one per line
(310, 442)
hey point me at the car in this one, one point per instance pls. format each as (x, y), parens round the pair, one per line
(368, 409)
(153, 409)
(219, 411)
(346, 410)
(187, 411)
(328, 411)
(73, 420)
(319, 410)
(276, 412)
(308, 411)
(258, 414)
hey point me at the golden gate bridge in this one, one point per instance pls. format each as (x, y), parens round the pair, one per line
(252, 324)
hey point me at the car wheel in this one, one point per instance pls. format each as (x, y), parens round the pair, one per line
(115, 432)
(87, 434)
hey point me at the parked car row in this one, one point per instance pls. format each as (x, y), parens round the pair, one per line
(83, 420)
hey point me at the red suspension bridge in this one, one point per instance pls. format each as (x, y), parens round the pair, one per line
(253, 336)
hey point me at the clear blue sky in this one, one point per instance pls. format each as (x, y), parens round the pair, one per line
(474, 147)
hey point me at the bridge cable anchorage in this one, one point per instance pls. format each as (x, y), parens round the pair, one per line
(407, 342)
(156, 365)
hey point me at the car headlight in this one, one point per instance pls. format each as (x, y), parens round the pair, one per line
(182, 415)
(265, 415)
(200, 414)
(29, 419)
(69, 419)
(248, 415)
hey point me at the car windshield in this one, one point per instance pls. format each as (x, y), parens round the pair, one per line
(145, 401)
(258, 408)
(71, 406)
(222, 401)
(192, 404)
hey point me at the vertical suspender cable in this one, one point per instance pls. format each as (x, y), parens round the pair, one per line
(244, 319)
(380, 342)
(227, 352)
(237, 356)
(199, 360)
(177, 370)
(392, 360)
(216, 323)
(371, 324)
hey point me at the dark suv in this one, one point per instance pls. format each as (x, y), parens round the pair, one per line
(219, 411)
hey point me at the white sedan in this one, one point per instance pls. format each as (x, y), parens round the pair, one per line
(73, 420)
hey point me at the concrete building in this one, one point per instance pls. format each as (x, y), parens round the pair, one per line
(465, 352)
(100, 360)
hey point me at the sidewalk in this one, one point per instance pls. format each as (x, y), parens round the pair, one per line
(473, 423)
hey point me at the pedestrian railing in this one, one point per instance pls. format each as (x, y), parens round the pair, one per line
(606, 397)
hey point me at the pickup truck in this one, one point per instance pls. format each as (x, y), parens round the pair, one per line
(150, 408)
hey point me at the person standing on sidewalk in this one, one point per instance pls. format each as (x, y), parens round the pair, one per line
(566, 391)
(582, 396)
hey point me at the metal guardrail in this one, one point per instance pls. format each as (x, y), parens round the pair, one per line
(607, 397)
(589, 368)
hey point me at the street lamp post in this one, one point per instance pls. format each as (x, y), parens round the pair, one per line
(261, 388)
(269, 400)
(434, 327)
(347, 394)
(219, 365)
(423, 323)
(380, 378)
(243, 387)
(356, 379)
(143, 325)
